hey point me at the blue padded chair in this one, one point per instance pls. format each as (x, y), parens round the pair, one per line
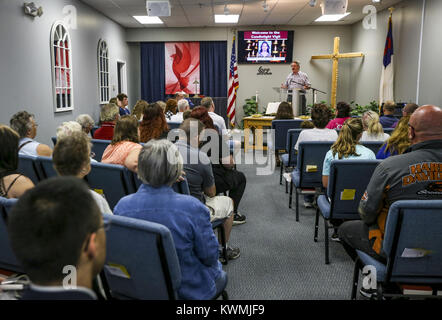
(94, 128)
(98, 147)
(373, 145)
(281, 127)
(289, 159)
(8, 261)
(27, 166)
(410, 224)
(45, 166)
(54, 140)
(311, 154)
(110, 180)
(347, 183)
(389, 130)
(174, 125)
(141, 260)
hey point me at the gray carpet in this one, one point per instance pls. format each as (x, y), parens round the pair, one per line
(279, 259)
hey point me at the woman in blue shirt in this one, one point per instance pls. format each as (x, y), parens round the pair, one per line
(159, 166)
(398, 141)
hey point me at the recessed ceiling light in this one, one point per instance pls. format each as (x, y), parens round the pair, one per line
(226, 18)
(332, 17)
(148, 20)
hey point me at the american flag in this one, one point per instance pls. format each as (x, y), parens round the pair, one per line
(233, 85)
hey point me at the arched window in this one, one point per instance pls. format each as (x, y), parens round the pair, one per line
(103, 71)
(61, 52)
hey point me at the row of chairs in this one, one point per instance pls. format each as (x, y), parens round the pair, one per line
(98, 147)
(145, 268)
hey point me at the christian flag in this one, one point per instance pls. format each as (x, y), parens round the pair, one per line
(387, 77)
(233, 85)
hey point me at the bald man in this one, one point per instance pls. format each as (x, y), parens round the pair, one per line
(414, 175)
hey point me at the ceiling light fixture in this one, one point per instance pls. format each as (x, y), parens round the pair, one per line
(148, 20)
(331, 17)
(226, 18)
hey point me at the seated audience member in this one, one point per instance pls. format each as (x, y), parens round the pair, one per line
(171, 108)
(124, 147)
(26, 127)
(72, 158)
(114, 101)
(109, 115)
(200, 178)
(373, 130)
(12, 184)
(342, 113)
(122, 103)
(86, 122)
(67, 128)
(320, 115)
(182, 95)
(393, 180)
(183, 105)
(162, 104)
(284, 111)
(54, 225)
(160, 165)
(227, 178)
(388, 120)
(398, 141)
(346, 147)
(154, 124)
(407, 110)
(138, 109)
(218, 121)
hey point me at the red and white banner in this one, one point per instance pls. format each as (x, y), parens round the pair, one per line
(182, 66)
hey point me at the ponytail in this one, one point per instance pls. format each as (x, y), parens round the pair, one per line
(345, 146)
(370, 121)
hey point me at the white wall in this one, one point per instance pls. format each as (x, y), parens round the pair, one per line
(25, 62)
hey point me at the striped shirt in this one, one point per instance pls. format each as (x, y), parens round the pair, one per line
(300, 77)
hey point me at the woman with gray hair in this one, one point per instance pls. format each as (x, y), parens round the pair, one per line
(159, 166)
(86, 122)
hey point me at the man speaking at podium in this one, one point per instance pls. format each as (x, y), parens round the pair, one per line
(297, 80)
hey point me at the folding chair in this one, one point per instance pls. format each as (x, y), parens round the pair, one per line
(412, 244)
(109, 180)
(308, 173)
(280, 128)
(347, 183)
(98, 147)
(289, 159)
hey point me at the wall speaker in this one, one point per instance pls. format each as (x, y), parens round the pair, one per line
(334, 7)
(158, 8)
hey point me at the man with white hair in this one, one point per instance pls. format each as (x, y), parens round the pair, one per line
(183, 105)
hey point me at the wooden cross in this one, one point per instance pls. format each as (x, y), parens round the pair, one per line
(335, 57)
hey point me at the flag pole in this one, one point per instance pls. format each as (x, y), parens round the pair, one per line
(391, 9)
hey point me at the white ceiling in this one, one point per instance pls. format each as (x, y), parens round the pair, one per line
(199, 13)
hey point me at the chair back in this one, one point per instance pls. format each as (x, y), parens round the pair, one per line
(147, 266)
(292, 138)
(373, 145)
(173, 125)
(347, 183)
(413, 242)
(98, 147)
(109, 180)
(8, 261)
(281, 127)
(94, 128)
(27, 166)
(310, 161)
(179, 187)
(45, 166)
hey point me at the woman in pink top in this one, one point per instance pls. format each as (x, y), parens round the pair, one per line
(124, 147)
(342, 114)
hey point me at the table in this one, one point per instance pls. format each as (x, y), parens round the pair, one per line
(255, 124)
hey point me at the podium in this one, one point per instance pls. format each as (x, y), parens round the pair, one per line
(296, 97)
